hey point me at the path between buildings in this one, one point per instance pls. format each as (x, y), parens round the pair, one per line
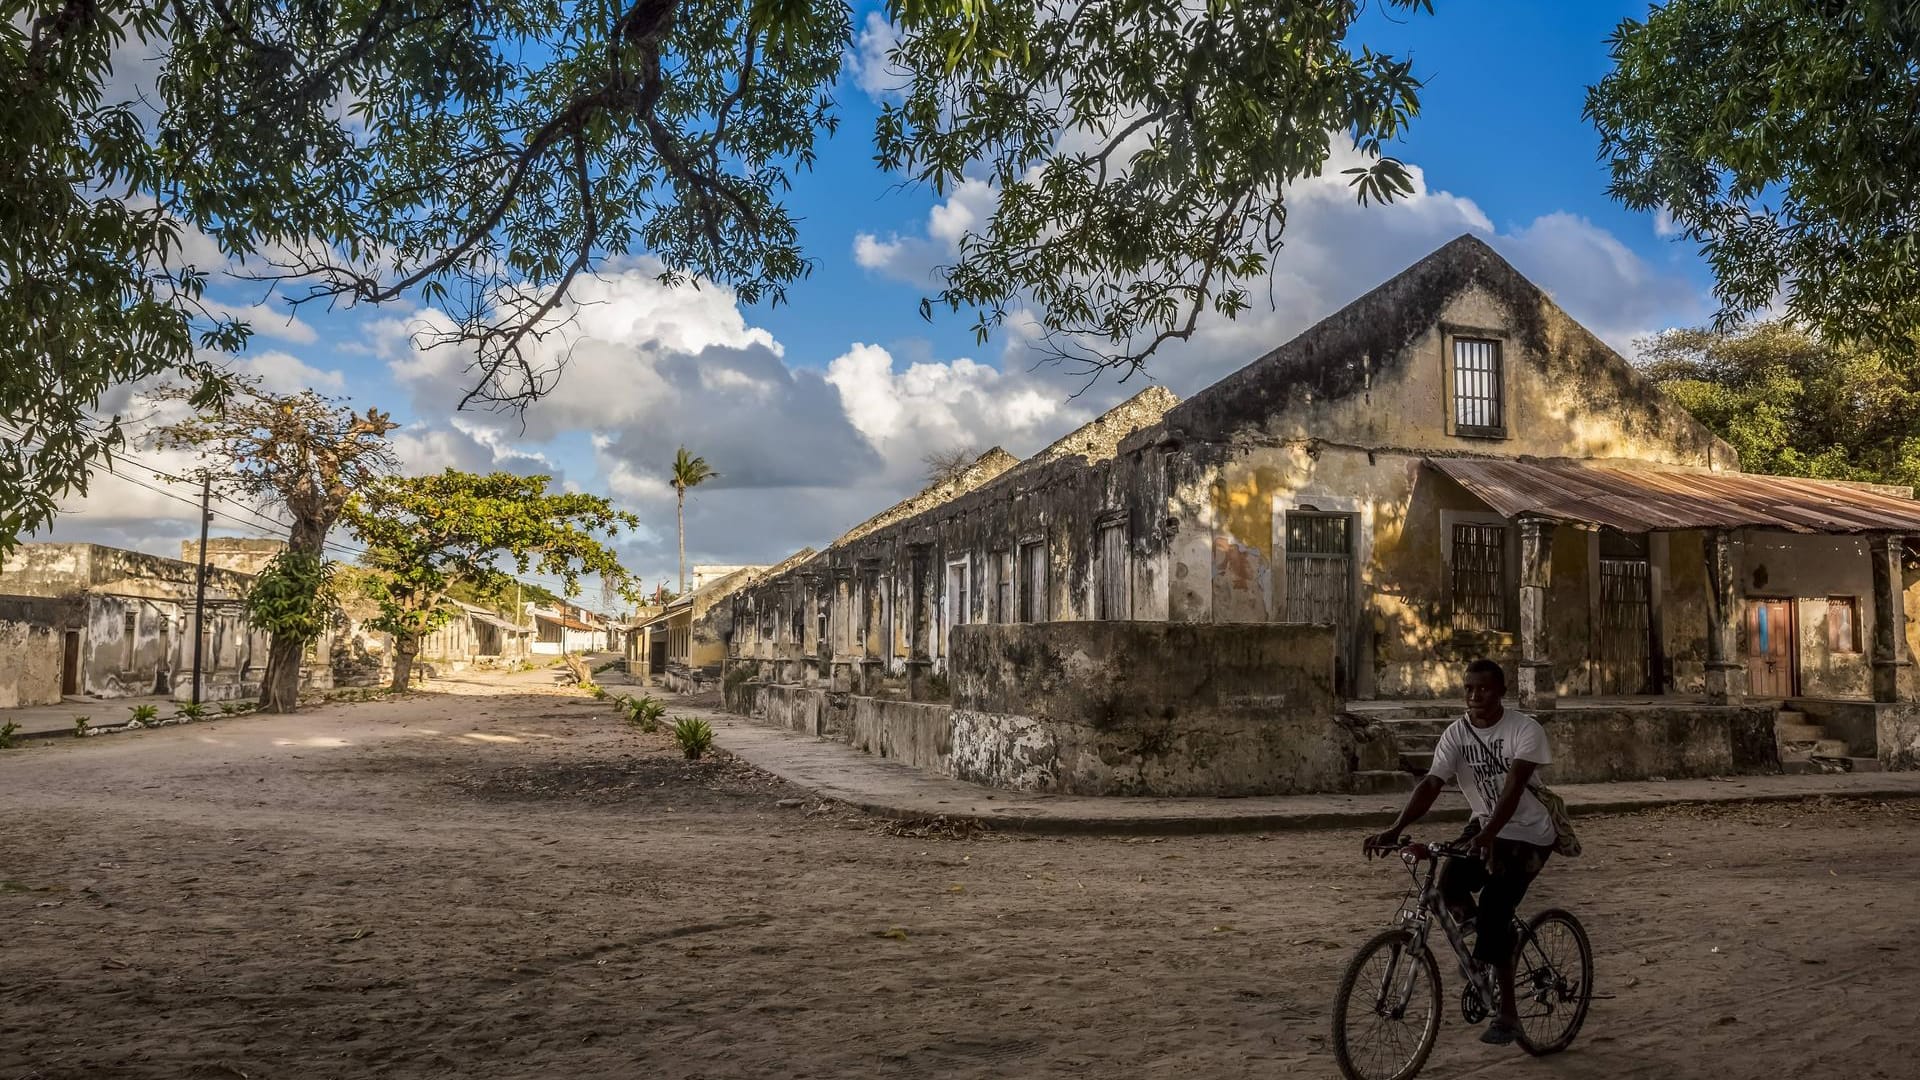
(889, 789)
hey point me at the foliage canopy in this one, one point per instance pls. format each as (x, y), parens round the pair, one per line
(1782, 136)
(1794, 404)
(479, 157)
(427, 532)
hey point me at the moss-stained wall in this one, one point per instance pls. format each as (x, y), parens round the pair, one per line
(1105, 708)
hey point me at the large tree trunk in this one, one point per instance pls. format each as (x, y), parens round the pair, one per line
(680, 518)
(280, 683)
(404, 650)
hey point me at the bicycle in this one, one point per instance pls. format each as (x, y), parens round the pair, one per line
(1553, 979)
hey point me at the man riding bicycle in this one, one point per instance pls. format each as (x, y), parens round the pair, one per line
(1491, 756)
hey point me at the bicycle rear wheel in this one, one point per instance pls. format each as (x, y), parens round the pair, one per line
(1553, 981)
(1386, 1015)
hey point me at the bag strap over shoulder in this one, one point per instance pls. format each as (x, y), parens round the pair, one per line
(1532, 784)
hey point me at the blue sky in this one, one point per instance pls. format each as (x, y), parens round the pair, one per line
(816, 414)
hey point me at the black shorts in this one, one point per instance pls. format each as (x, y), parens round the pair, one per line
(1502, 883)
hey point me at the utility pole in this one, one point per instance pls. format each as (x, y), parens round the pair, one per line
(200, 583)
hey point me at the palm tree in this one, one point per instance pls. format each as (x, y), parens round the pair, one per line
(688, 471)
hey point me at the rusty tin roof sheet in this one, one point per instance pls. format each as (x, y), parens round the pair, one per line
(1648, 501)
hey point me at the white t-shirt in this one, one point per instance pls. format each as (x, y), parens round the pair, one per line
(1462, 759)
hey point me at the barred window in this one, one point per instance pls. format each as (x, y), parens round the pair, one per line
(1476, 385)
(1479, 577)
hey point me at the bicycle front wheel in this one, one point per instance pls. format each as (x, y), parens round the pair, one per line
(1553, 981)
(1386, 1016)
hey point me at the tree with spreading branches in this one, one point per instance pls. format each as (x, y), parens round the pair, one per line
(304, 454)
(1780, 137)
(479, 158)
(424, 534)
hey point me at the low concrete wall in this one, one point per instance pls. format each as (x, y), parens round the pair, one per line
(1591, 745)
(1897, 728)
(1148, 708)
(795, 708)
(911, 732)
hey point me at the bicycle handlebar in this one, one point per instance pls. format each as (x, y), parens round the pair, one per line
(1405, 845)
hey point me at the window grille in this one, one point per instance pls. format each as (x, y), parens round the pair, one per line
(1479, 577)
(1476, 385)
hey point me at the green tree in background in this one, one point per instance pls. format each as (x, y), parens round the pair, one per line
(688, 471)
(1783, 137)
(479, 157)
(1794, 404)
(302, 454)
(425, 533)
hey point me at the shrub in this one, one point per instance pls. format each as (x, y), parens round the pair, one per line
(694, 736)
(646, 713)
(190, 711)
(7, 729)
(594, 688)
(143, 715)
(80, 726)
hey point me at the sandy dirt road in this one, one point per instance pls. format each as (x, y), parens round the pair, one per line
(515, 885)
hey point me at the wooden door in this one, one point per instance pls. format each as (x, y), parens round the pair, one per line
(1623, 636)
(1320, 580)
(70, 665)
(1770, 648)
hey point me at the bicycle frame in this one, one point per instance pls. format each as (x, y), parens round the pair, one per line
(1428, 909)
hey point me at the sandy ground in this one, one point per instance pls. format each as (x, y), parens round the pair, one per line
(515, 885)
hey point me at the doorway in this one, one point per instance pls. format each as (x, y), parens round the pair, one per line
(1623, 630)
(70, 665)
(1771, 634)
(1319, 569)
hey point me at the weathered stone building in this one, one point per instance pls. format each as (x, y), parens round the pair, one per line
(1448, 467)
(108, 623)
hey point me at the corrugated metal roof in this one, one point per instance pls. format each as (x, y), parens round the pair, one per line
(1647, 501)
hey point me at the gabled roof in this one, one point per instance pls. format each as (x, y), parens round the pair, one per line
(984, 468)
(1098, 439)
(1342, 354)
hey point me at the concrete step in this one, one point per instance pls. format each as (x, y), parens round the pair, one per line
(1418, 727)
(1416, 761)
(1789, 716)
(1412, 710)
(1788, 733)
(1383, 781)
(1815, 763)
(1409, 742)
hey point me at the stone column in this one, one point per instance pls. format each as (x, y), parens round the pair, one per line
(1536, 576)
(840, 677)
(1726, 672)
(1892, 680)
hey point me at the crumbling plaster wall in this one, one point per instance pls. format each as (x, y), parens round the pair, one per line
(32, 631)
(1133, 708)
(1343, 417)
(1809, 570)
